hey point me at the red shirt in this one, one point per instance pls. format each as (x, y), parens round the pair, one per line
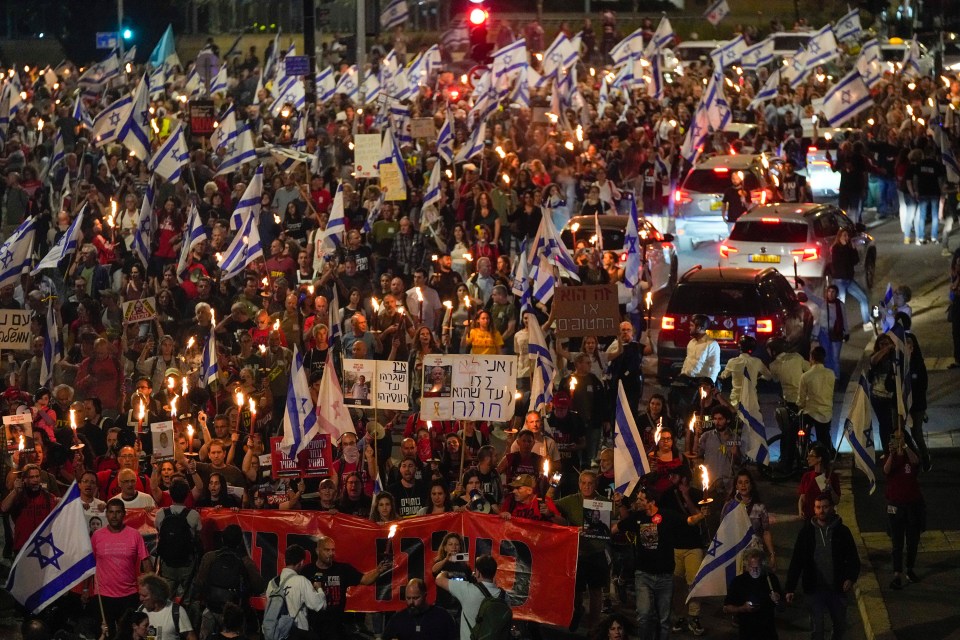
(321, 200)
(903, 484)
(28, 512)
(811, 490)
(529, 510)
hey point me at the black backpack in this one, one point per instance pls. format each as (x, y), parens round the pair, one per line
(175, 540)
(226, 580)
(494, 617)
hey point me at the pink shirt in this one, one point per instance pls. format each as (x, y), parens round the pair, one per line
(118, 557)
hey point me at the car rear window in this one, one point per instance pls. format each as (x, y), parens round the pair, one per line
(710, 181)
(691, 54)
(790, 43)
(612, 238)
(715, 298)
(773, 232)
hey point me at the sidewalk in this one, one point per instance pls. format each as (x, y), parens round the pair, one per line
(926, 610)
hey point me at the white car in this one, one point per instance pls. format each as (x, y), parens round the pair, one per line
(823, 180)
(795, 239)
(696, 51)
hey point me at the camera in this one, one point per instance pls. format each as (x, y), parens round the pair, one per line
(461, 557)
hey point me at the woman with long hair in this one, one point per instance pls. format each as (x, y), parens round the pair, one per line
(459, 247)
(663, 459)
(483, 338)
(485, 215)
(460, 317)
(655, 416)
(439, 500)
(424, 344)
(384, 508)
(843, 260)
(745, 492)
(133, 625)
(445, 560)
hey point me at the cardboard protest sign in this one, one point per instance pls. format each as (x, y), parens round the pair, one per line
(139, 310)
(588, 310)
(15, 330)
(366, 154)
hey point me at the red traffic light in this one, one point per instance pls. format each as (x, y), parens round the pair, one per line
(478, 16)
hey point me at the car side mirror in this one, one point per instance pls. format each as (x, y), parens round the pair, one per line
(860, 227)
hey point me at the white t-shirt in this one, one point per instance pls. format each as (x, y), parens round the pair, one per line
(142, 501)
(161, 623)
(470, 598)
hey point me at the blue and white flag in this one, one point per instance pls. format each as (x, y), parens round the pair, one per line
(333, 417)
(520, 280)
(395, 14)
(911, 59)
(347, 84)
(848, 27)
(226, 129)
(165, 52)
(544, 282)
(249, 204)
(289, 91)
(473, 146)
(143, 234)
(81, 115)
(901, 370)
(271, 66)
(240, 151)
(719, 564)
(326, 85)
(52, 347)
(796, 71)
(696, 135)
(558, 56)
(858, 428)
(56, 556)
(632, 248)
(869, 63)
(172, 156)
(336, 224)
(947, 155)
(547, 243)
(822, 47)
(655, 88)
(95, 79)
(510, 60)
(769, 90)
(717, 11)
(58, 151)
(544, 369)
(333, 320)
(433, 187)
(209, 367)
(846, 99)
(300, 414)
(135, 132)
(754, 434)
(627, 48)
(244, 249)
(196, 233)
(299, 141)
(630, 461)
(728, 52)
(886, 322)
(662, 37)
(66, 245)
(390, 152)
(757, 55)
(16, 252)
(109, 123)
(219, 82)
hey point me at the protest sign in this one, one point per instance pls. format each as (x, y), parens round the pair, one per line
(392, 385)
(313, 462)
(423, 128)
(391, 181)
(366, 154)
(375, 384)
(469, 387)
(16, 427)
(358, 376)
(15, 330)
(162, 436)
(588, 310)
(139, 310)
(596, 519)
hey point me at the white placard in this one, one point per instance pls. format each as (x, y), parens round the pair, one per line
(161, 433)
(376, 384)
(469, 387)
(392, 385)
(366, 155)
(15, 330)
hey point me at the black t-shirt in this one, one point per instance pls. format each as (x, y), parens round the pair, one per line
(409, 501)
(362, 255)
(334, 582)
(567, 432)
(760, 622)
(688, 537)
(927, 173)
(737, 200)
(656, 539)
(792, 188)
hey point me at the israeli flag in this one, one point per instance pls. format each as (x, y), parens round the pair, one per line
(717, 11)
(719, 564)
(52, 347)
(390, 152)
(718, 109)
(547, 243)
(371, 89)
(626, 48)
(822, 47)
(632, 248)
(249, 204)
(109, 123)
(520, 280)
(911, 59)
(754, 435)
(270, 67)
(347, 84)
(57, 556)
(299, 142)
(433, 188)
(135, 133)
(244, 249)
(240, 151)
(858, 429)
(544, 282)
(143, 234)
(172, 156)
(94, 79)
(869, 63)
(16, 252)
(769, 90)
(757, 55)
(194, 87)
(81, 115)
(796, 71)
(326, 85)
(196, 233)
(846, 99)
(333, 320)
(511, 59)
(544, 370)
(209, 368)
(336, 224)
(226, 130)
(66, 245)
(395, 14)
(558, 56)
(473, 146)
(662, 37)
(290, 91)
(696, 135)
(848, 27)
(728, 52)
(219, 84)
(630, 461)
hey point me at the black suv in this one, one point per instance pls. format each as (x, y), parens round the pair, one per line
(738, 302)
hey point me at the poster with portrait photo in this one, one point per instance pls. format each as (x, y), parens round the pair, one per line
(358, 379)
(436, 402)
(17, 427)
(161, 434)
(596, 519)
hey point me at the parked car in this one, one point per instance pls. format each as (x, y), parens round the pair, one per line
(698, 201)
(661, 252)
(786, 234)
(693, 51)
(739, 302)
(823, 180)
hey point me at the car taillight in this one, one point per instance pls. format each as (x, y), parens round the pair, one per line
(726, 250)
(770, 220)
(764, 325)
(721, 169)
(810, 253)
(681, 197)
(668, 323)
(811, 149)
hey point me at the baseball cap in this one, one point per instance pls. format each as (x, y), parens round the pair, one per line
(561, 399)
(524, 480)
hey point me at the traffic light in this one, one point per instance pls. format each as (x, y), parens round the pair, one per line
(478, 19)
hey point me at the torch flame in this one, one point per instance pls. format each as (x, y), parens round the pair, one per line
(693, 422)
(466, 301)
(506, 179)
(393, 531)
(253, 405)
(376, 305)
(143, 411)
(573, 383)
(240, 399)
(191, 342)
(265, 282)
(649, 299)
(185, 387)
(276, 324)
(190, 431)
(468, 257)
(704, 477)
(22, 443)
(448, 304)
(703, 393)
(263, 348)
(429, 425)
(73, 419)
(173, 407)
(546, 468)
(419, 294)
(171, 382)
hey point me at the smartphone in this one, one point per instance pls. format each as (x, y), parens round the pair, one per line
(461, 557)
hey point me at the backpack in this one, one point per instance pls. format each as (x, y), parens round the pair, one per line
(277, 621)
(175, 539)
(226, 580)
(494, 617)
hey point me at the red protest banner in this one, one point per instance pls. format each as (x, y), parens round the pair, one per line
(312, 462)
(537, 561)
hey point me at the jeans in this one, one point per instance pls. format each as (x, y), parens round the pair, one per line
(929, 205)
(851, 286)
(834, 603)
(908, 213)
(654, 597)
(904, 529)
(889, 204)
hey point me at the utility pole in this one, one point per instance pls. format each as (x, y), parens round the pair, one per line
(361, 59)
(310, 44)
(120, 27)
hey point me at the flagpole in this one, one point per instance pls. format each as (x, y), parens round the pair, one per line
(463, 448)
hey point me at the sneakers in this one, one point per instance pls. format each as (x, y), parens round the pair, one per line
(868, 326)
(906, 240)
(679, 625)
(896, 584)
(695, 627)
(919, 242)
(946, 253)
(912, 577)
